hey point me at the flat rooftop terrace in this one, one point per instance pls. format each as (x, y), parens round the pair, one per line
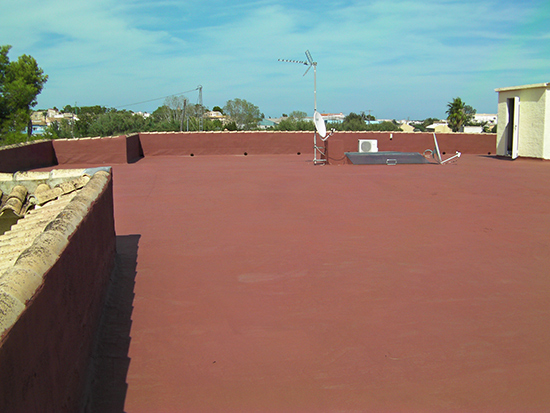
(264, 283)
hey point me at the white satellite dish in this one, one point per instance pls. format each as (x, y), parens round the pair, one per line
(320, 124)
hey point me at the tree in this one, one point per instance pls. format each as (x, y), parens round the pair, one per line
(298, 114)
(459, 114)
(470, 114)
(21, 82)
(354, 122)
(293, 123)
(245, 114)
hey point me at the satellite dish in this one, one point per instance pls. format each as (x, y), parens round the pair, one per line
(320, 124)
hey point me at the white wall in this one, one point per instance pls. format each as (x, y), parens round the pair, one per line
(547, 127)
(533, 121)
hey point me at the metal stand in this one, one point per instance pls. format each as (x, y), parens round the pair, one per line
(318, 150)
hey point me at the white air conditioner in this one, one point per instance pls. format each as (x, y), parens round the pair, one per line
(368, 145)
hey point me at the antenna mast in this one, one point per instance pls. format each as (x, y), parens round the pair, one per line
(201, 115)
(309, 63)
(317, 118)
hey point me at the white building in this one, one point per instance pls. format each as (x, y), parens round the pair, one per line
(524, 121)
(490, 118)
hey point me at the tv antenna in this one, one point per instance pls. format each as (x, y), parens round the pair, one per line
(317, 118)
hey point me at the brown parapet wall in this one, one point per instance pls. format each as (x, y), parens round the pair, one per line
(44, 355)
(102, 151)
(273, 143)
(128, 149)
(27, 156)
(134, 152)
(227, 143)
(449, 143)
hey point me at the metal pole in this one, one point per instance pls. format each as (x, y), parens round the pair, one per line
(315, 86)
(200, 108)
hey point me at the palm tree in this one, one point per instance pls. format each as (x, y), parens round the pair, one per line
(456, 114)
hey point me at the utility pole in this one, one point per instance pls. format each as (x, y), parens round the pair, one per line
(201, 114)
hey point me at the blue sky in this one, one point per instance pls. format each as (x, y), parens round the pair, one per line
(398, 59)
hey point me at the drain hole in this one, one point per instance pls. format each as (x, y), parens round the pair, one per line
(443, 153)
(246, 153)
(488, 153)
(192, 154)
(299, 153)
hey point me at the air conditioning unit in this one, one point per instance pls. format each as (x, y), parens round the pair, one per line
(368, 145)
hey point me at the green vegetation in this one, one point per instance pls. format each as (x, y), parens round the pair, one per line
(175, 115)
(245, 114)
(459, 114)
(295, 122)
(356, 122)
(21, 82)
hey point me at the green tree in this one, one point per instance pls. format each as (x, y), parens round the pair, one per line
(293, 124)
(21, 82)
(353, 122)
(298, 114)
(386, 126)
(245, 114)
(87, 115)
(459, 114)
(470, 114)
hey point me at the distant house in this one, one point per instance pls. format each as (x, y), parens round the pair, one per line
(473, 129)
(333, 117)
(439, 127)
(214, 114)
(266, 123)
(524, 121)
(490, 118)
(405, 127)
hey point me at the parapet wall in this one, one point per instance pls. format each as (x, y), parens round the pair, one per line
(226, 143)
(110, 150)
(449, 143)
(127, 149)
(273, 143)
(27, 156)
(51, 301)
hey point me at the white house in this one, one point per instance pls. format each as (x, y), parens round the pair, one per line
(524, 121)
(490, 118)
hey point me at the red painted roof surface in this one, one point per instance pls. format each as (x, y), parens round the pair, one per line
(267, 284)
